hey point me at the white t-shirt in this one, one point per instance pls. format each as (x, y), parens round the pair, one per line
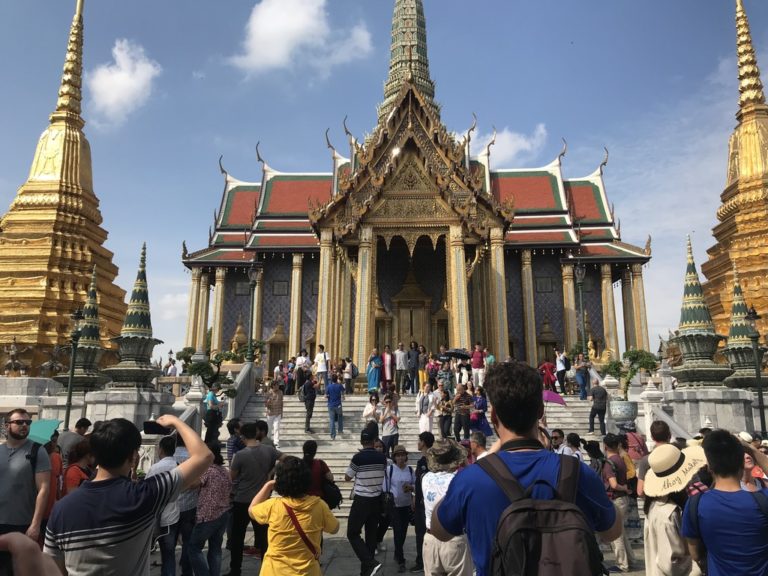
(400, 477)
(322, 361)
(171, 512)
(560, 362)
(401, 360)
(434, 485)
(481, 456)
(568, 451)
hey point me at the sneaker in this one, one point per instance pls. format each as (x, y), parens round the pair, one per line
(374, 569)
(417, 568)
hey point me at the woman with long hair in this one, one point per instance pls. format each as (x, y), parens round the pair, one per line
(372, 410)
(211, 517)
(296, 521)
(477, 417)
(373, 371)
(318, 468)
(80, 466)
(423, 358)
(445, 411)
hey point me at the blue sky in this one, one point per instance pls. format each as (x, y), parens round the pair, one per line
(172, 85)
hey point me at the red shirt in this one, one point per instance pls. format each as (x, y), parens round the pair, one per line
(478, 359)
(319, 470)
(73, 477)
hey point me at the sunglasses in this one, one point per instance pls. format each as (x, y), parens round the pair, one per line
(21, 422)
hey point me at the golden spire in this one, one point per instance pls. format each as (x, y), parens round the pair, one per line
(750, 85)
(70, 94)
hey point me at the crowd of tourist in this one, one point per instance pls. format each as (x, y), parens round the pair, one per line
(467, 505)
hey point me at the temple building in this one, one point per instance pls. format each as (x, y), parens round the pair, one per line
(411, 237)
(51, 237)
(741, 233)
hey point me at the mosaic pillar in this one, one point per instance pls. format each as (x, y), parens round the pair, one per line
(325, 289)
(569, 308)
(498, 296)
(202, 315)
(459, 305)
(218, 311)
(192, 311)
(366, 259)
(609, 310)
(294, 332)
(345, 317)
(529, 312)
(628, 305)
(258, 300)
(638, 301)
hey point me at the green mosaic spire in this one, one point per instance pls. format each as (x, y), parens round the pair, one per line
(408, 58)
(694, 314)
(738, 335)
(90, 332)
(138, 321)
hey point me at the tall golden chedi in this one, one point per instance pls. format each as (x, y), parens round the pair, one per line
(742, 231)
(51, 238)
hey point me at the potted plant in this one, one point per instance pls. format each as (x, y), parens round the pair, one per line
(622, 410)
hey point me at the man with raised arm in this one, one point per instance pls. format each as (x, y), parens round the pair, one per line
(105, 527)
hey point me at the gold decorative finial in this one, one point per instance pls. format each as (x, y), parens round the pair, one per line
(750, 85)
(70, 94)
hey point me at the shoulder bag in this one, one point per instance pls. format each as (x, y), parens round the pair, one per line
(302, 534)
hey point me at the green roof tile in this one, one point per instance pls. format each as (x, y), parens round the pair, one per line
(138, 321)
(738, 335)
(89, 335)
(694, 314)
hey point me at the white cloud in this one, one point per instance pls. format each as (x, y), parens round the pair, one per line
(173, 306)
(513, 148)
(121, 87)
(280, 33)
(198, 75)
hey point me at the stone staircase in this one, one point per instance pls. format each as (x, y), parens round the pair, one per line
(337, 453)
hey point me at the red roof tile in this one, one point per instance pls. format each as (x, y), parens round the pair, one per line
(530, 191)
(588, 204)
(289, 195)
(240, 206)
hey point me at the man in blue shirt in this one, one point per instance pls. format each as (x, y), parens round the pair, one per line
(474, 502)
(334, 392)
(732, 532)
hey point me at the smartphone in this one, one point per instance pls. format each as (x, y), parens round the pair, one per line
(152, 427)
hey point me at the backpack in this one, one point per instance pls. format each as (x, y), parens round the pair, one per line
(354, 371)
(542, 537)
(32, 457)
(567, 363)
(301, 393)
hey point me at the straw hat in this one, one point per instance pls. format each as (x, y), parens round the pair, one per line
(672, 469)
(446, 455)
(399, 449)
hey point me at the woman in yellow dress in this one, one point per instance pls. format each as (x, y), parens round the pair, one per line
(294, 542)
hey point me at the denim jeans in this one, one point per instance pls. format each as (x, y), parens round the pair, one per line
(332, 414)
(186, 525)
(582, 380)
(213, 533)
(167, 543)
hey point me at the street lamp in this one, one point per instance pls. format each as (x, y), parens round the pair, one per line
(579, 272)
(253, 276)
(752, 317)
(77, 330)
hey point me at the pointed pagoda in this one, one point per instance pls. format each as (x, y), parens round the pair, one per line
(741, 235)
(136, 343)
(696, 337)
(51, 237)
(738, 349)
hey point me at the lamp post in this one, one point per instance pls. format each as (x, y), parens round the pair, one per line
(752, 317)
(253, 275)
(77, 319)
(579, 272)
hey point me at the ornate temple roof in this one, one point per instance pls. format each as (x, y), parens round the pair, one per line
(738, 334)
(138, 321)
(550, 210)
(90, 336)
(694, 314)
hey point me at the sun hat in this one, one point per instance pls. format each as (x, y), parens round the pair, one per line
(446, 455)
(745, 436)
(671, 469)
(399, 449)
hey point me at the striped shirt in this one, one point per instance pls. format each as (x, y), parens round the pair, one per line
(367, 468)
(105, 528)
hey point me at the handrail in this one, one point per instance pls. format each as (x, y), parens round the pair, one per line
(244, 386)
(189, 416)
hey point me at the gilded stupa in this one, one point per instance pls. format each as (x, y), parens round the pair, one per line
(51, 237)
(741, 232)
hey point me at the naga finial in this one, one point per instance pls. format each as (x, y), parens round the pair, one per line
(221, 166)
(492, 142)
(328, 142)
(604, 163)
(564, 151)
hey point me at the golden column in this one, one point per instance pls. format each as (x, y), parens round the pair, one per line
(218, 311)
(193, 310)
(498, 296)
(345, 317)
(366, 260)
(529, 313)
(294, 332)
(459, 302)
(569, 308)
(202, 314)
(323, 329)
(258, 299)
(638, 301)
(609, 310)
(630, 337)
(336, 303)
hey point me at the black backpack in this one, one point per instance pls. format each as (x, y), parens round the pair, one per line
(566, 363)
(542, 537)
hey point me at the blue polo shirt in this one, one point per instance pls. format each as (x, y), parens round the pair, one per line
(474, 502)
(333, 392)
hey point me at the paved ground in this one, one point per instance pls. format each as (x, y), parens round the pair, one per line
(339, 560)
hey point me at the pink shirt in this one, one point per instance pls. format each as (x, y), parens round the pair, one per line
(215, 486)
(478, 359)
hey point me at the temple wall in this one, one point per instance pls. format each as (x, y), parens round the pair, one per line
(512, 264)
(236, 293)
(276, 306)
(593, 301)
(548, 294)
(310, 277)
